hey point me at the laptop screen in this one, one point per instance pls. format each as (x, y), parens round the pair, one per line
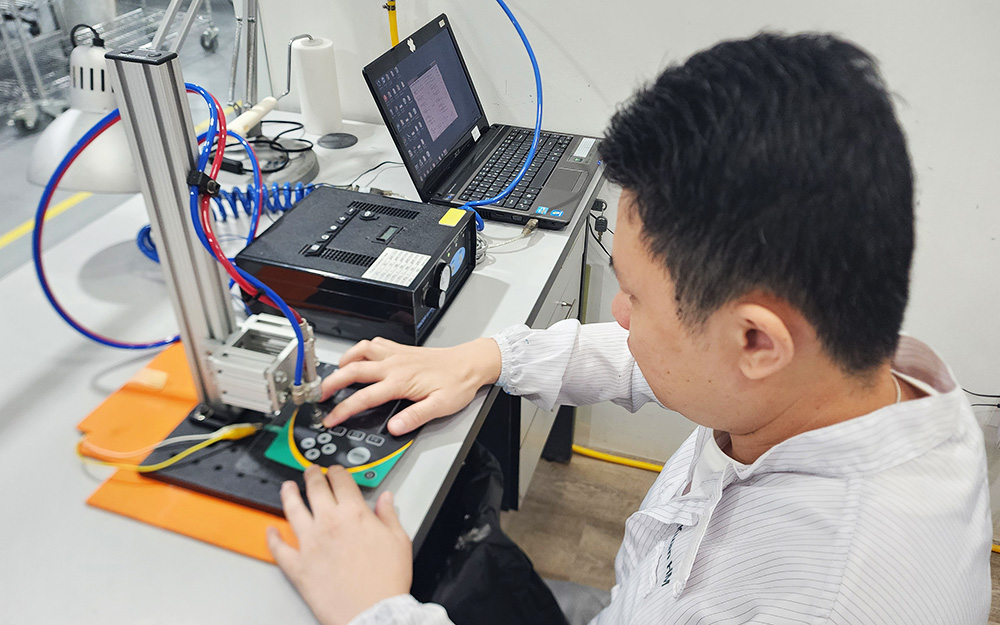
(428, 100)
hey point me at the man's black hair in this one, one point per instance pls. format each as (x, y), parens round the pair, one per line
(776, 164)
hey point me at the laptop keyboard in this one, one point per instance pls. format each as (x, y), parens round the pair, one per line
(501, 168)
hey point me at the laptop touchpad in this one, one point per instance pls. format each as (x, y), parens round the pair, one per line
(564, 180)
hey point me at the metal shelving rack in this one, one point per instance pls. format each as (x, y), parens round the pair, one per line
(35, 47)
(34, 73)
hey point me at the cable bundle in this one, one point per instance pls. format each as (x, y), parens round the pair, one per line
(213, 140)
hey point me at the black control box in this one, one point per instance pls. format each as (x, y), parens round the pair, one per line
(358, 265)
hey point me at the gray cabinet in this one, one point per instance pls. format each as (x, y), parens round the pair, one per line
(560, 300)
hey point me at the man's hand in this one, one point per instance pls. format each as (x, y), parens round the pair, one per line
(439, 381)
(349, 558)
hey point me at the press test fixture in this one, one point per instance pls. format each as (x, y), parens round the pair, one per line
(236, 368)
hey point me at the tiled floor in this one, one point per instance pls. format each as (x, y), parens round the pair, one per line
(995, 609)
(572, 519)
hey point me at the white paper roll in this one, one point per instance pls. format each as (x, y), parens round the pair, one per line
(314, 74)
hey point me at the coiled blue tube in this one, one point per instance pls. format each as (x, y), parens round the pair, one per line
(274, 198)
(144, 241)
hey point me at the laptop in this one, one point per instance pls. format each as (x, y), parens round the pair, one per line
(454, 155)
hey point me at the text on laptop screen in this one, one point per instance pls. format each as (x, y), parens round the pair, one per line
(428, 100)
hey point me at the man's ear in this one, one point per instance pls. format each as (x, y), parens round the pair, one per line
(764, 342)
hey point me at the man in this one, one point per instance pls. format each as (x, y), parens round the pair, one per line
(763, 248)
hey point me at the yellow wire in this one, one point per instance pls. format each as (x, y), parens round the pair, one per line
(230, 432)
(390, 6)
(144, 450)
(293, 448)
(628, 462)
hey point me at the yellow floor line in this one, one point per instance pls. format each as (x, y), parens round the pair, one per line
(55, 211)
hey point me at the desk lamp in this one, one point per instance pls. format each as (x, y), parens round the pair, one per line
(106, 166)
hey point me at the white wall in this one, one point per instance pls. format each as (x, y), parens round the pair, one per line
(940, 58)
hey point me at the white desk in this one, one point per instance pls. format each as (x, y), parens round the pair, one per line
(62, 561)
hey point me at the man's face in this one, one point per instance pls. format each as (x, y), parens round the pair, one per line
(683, 367)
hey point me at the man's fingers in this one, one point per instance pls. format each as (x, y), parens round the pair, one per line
(415, 415)
(284, 554)
(358, 351)
(363, 399)
(386, 512)
(330, 385)
(344, 486)
(295, 509)
(375, 349)
(321, 497)
(362, 372)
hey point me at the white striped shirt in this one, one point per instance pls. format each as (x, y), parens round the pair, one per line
(881, 519)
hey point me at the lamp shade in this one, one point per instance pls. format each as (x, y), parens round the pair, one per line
(106, 166)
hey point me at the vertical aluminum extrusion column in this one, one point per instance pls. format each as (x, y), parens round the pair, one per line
(154, 108)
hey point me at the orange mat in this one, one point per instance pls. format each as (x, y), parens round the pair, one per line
(143, 412)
